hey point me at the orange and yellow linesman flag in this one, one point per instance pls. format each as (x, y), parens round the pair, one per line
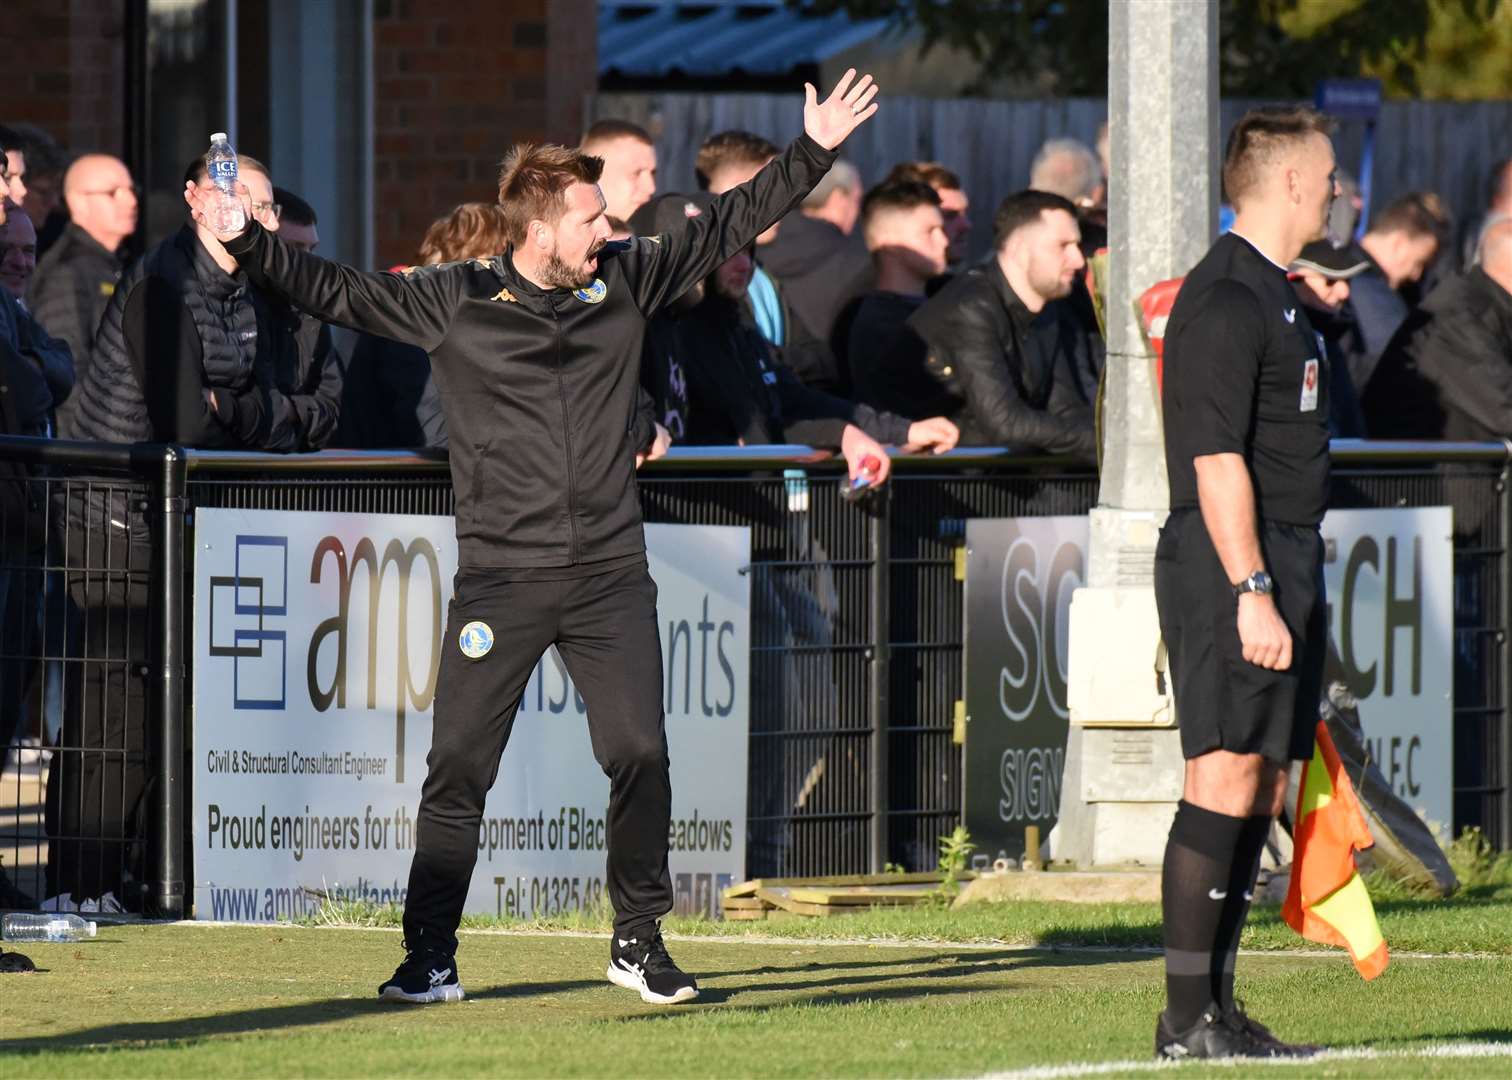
(1327, 901)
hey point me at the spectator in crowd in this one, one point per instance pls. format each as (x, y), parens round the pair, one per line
(1401, 243)
(1066, 167)
(1404, 238)
(955, 206)
(818, 255)
(18, 252)
(725, 160)
(309, 374)
(47, 355)
(297, 222)
(740, 392)
(905, 233)
(390, 399)
(1320, 276)
(77, 277)
(187, 352)
(1448, 371)
(36, 372)
(1018, 365)
(13, 149)
(629, 177)
(45, 162)
(1498, 208)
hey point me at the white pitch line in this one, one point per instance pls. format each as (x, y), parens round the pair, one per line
(1354, 1053)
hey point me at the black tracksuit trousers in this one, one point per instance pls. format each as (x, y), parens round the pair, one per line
(605, 628)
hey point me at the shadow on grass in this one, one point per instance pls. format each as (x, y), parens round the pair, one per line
(305, 1014)
(924, 975)
(1488, 1035)
(938, 963)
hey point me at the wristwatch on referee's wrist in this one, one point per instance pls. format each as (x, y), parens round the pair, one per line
(1258, 582)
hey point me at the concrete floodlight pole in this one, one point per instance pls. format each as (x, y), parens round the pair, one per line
(1123, 759)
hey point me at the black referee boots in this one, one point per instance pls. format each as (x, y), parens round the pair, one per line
(641, 964)
(426, 975)
(1220, 1034)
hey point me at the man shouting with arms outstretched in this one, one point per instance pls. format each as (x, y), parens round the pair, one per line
(536, 354)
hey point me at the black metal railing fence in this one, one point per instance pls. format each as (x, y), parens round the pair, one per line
(856, 631)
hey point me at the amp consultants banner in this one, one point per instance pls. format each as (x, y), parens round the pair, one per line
(1390, 587)
(316, 648)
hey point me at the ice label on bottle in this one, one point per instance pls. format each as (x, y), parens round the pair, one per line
(220, 165)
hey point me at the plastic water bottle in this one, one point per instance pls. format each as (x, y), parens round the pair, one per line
(30, 926)
(220, 161)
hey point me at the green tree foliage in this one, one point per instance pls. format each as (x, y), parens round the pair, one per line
(1458, 49)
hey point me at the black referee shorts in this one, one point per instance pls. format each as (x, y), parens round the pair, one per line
(1223, 702)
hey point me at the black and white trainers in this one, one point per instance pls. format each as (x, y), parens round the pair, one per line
(424, 977)
(1212, 1036)
(641, 964)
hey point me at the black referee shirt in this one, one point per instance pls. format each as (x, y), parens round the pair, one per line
(1246, 374)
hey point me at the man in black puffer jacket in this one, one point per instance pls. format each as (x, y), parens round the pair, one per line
(188, 352)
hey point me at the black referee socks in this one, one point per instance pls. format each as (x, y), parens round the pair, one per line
(1242, 874)
(1196, 881)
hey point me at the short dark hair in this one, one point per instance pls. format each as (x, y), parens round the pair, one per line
(727, 148)
(197, 169)
(1026, 208)
(932, 173)
(602, 131)
(897, 195)
(10, 139)
(1418, 213)
(533, 183)
(44, 157)
(293, 209)
(1258, 136)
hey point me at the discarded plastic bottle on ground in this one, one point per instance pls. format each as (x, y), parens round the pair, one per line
(32, 926)
(220, 161)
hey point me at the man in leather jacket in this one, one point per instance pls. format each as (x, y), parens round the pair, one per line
(1015, 366)
(536, 354)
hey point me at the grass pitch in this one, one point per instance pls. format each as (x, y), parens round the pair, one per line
(300, 1001)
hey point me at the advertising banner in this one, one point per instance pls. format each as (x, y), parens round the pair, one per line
(1390, 576)
(316, 651)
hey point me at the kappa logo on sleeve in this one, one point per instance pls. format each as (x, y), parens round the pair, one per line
(1309, 386)
(593, 294)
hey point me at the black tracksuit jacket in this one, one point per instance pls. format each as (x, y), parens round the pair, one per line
(539, 386)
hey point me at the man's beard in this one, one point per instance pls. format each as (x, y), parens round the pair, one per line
(558, 275)
(1051, 287)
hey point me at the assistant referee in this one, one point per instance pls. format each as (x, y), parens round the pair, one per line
(536, 354)
(1239, 565)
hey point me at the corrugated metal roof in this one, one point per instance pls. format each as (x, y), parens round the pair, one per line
(720, 37)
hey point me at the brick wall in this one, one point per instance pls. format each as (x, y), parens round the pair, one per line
(63, 69)
(454, 86)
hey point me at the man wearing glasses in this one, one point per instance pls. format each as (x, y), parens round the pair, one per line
(73, 283)
(189, 352)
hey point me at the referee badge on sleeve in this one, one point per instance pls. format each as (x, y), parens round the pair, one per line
(475, 640)
(1309, 385)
